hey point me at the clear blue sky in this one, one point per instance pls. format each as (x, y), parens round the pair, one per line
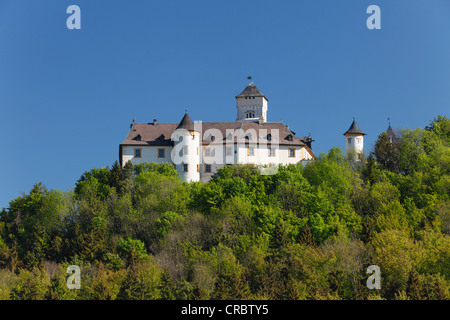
(67, 97)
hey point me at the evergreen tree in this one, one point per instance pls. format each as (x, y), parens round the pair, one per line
(387, 152)
(306, 237)
(413, 286)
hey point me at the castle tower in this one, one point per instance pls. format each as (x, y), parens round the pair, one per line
(354, 141)
(251, 105)
(186, 151)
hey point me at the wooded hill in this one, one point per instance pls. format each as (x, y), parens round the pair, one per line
(310, 232)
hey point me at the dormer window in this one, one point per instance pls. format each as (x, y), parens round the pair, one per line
(289, 137)
(138, 137)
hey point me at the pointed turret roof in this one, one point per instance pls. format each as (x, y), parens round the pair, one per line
(186, 123)
(251, 91)
(354, 129)
(390, 132)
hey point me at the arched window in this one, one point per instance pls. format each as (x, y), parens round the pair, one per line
(269, 137)
(250, 114)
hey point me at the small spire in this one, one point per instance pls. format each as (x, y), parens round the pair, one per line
(185, 110)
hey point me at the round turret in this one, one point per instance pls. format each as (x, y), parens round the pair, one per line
(354, 141)
(185, 154)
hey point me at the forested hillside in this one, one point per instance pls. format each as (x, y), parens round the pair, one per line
(310, 232)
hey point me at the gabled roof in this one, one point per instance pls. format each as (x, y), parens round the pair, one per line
(354, 129)
(251, 91)
(151, 134)
(186, 123)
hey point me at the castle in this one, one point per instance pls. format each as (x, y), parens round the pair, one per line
(197, 149)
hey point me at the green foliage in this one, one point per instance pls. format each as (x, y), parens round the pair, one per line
(133, 250)
(164, 223)
(305, 232)
(142, 282)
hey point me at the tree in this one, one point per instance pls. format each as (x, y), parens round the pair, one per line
(386, 152)
(413, 287)
(306, 236)
(142, 282)
(396, 254)
(132, 250)
(370, 171)
(440, 126)
(31, 285)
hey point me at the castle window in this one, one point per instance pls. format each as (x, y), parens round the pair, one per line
(207, 168)
(207, 152)
(185, 167)
(349, 140)
(161, 153)
(138, 153)
(229, 151)
(292, 153)
(185, 150)
(271, 152)
(269, 137)
(251, 151)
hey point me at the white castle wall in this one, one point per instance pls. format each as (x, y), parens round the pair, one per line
(148, 154)
(354, 144)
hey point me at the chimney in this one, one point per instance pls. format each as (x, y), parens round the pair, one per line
(154, 122)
